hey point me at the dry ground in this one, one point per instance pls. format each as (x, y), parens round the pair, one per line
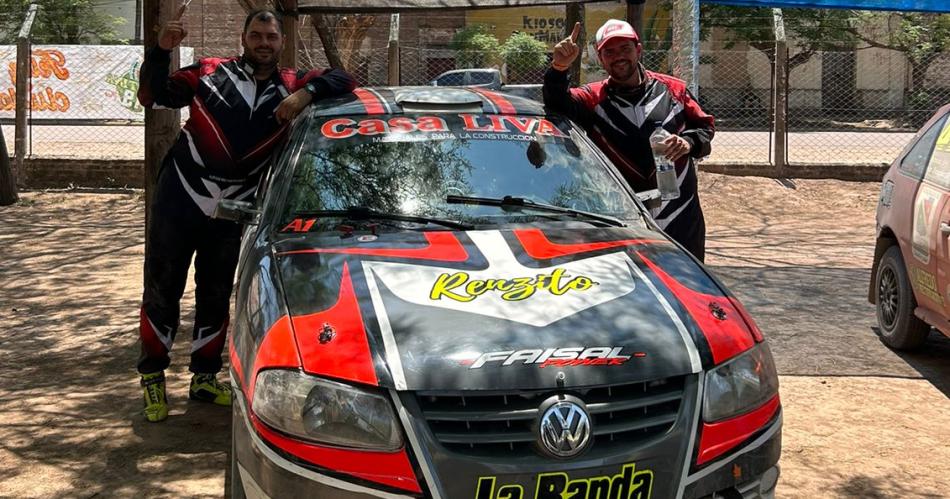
(860, 421)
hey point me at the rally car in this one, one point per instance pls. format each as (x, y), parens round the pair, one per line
(910, 279)
(447, 293)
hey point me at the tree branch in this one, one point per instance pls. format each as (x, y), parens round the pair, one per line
(870, 41)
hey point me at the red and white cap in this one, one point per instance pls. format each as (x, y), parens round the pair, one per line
(614, 28)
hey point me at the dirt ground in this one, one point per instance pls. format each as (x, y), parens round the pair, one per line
(860, 420)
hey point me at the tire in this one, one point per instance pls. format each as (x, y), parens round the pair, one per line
(900, 328)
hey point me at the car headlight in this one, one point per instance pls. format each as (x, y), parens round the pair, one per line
(741, 384)
(325, 411)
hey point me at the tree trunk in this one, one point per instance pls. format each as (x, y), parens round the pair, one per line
(161, 126)
(8, 192)
(575, 14)
(326, 38)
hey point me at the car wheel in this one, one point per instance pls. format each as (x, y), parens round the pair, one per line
(237, 486)
(900, 328)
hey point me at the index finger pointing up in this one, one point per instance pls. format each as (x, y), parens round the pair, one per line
(181, 9)
(576, 32)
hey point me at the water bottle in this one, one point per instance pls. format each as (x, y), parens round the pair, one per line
(665, 170)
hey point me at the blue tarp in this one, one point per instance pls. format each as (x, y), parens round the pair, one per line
(918, 5)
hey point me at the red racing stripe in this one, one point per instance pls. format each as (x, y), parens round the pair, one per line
(441, 246)
(717, 438)
(504, 105)
(539, 247)
(346, 355)
(235, 361)
(278, 349)
(727, 338)
(369, 100)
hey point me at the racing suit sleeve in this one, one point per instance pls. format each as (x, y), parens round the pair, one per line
(156, 87)
(329, 82)
(700, 126)
(562, 99)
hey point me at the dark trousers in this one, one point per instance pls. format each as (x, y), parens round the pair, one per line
(689, 229)
(178, 231)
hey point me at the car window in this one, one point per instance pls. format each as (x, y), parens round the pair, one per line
(410, 164)
(938, 168)
(915, 161)
(481, 78)
(451, 80)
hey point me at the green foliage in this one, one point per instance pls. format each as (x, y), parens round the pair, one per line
(62, 22)
(524, 52)
(475, 47)
(809, 30)
(921, 35)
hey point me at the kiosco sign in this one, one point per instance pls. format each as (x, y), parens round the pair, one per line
(78, 81)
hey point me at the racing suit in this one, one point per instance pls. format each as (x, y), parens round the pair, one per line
(222, 151)
(620, 121)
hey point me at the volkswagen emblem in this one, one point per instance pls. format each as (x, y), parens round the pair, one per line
(564, 430)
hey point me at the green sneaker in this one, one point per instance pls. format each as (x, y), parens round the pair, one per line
(206, 388)
(156, 406)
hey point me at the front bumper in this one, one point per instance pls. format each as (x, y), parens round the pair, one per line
(750, 471)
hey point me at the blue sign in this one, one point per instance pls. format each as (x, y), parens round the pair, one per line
(904, 5)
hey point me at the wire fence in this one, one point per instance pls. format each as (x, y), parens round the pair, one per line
(854, 103)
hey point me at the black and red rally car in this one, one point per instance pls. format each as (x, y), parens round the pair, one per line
(447, 293)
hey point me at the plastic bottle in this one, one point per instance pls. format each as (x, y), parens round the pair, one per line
(665, 171)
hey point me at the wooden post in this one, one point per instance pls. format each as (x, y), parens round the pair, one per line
(161, 125)
(393, 56)
(635, 15)
(575, 14)
(24, 87)
(288, 57)
(780, 96)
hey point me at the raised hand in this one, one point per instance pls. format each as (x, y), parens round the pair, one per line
(567, 50)
(174, 31)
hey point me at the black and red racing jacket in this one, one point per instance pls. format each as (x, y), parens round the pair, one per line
(620, 121)
(226, 144)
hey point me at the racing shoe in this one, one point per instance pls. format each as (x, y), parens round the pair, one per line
(156, 406)
(206, 388)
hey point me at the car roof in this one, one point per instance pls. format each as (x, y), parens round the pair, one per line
(406, 100)
(471, 70)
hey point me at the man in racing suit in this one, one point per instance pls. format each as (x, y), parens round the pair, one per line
(240, 109)
(621, 112)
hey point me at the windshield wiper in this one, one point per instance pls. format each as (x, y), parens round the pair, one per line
(516, 202)
(366, 213)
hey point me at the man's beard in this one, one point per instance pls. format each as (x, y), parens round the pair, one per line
(260, 61)
(623, 73)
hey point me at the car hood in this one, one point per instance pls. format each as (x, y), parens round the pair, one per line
(484, 310)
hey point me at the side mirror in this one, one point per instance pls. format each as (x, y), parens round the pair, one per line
(650, 199)
(236, 211)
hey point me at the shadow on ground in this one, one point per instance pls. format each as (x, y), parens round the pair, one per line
(70, 422)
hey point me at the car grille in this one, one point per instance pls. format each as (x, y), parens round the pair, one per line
(484, 423)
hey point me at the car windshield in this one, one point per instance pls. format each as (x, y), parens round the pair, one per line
(419, 165)
(454, 79)
(482, 77)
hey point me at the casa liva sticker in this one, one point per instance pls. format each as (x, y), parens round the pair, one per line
(628, 484)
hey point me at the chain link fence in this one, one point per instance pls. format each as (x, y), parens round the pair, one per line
(861, 106)
(857, 103)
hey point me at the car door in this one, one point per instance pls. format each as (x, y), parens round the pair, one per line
(938, 171)
(929, 206)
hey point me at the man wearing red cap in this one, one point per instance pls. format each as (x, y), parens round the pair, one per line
(621, 112)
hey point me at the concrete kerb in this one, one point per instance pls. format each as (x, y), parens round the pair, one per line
(852, 172)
